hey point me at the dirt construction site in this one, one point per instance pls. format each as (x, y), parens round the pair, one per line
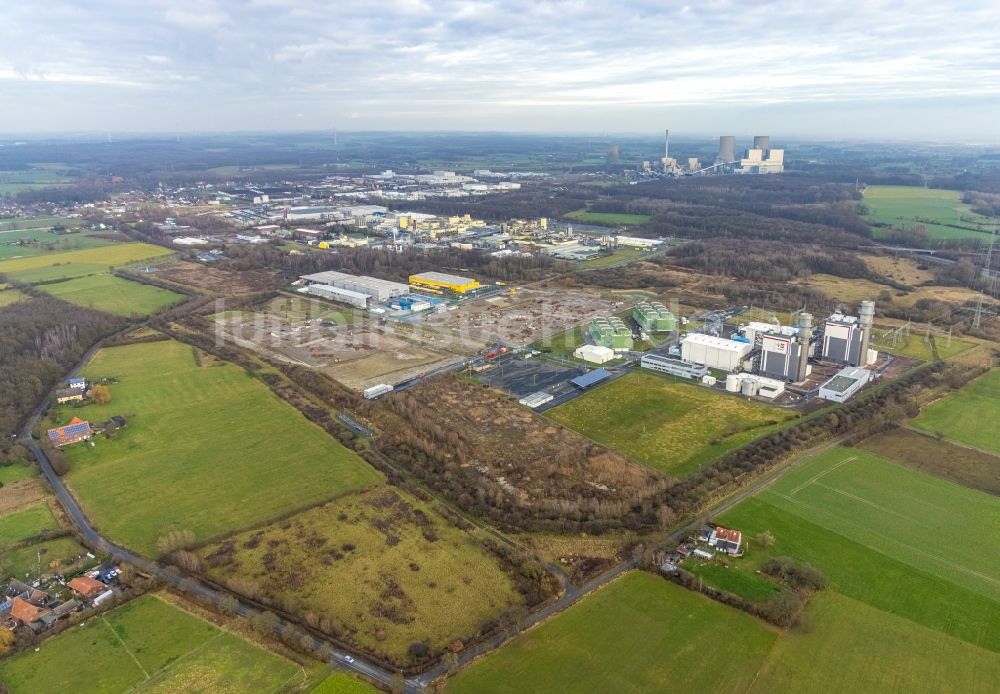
(523, 317)
(359, 351)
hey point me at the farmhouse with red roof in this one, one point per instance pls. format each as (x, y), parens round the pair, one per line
(76, 430)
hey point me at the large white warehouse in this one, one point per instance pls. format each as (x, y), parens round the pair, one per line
(714, 352)
(380, 290)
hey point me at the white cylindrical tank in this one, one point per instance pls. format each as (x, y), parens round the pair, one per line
(750, 387)
(733, 383)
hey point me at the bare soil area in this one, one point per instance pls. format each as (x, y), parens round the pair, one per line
(966, 466)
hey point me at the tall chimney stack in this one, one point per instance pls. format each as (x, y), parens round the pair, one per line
(666, 144)
(865, 319)
(805, 335)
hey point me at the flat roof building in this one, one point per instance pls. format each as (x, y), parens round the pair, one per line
(714, 352)
(844, 384)
(438, 281)
(674, 367)
(380, 290)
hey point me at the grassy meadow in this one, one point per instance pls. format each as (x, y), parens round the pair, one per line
(403, 574)
(207, 449)
(638, 634)
(11, 296)
(88, 261)
(113, 294)
(122, 651)
(902, 541)
(846, 645)
(37, 242)
(942, 212)
(666, 424)
(970, 415)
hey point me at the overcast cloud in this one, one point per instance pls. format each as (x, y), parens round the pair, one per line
(884, 69)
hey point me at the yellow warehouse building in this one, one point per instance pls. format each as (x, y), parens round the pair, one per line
(438, 281)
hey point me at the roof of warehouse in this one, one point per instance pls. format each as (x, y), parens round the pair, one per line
(331, 276)
(717, 342)
(443, 277)
(333, 290)
(589, 379)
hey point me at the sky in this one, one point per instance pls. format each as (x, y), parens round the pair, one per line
(817, 69)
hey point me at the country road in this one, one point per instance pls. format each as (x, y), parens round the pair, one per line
(339, 658)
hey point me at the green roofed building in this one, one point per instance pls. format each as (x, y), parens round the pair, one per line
(653, 317)
(611, 332)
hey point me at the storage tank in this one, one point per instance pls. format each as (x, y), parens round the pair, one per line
(733, 383)
(750, 387)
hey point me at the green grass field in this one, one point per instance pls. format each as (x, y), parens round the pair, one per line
(71, 264)
(848, 646)
(113, 294)
(10, 296)
(933, 525)
(639, 634)
(42, 223)
(207, 449)
(900, 540)
(970, 415)
(664, 423)
(375, 547)
(608, 218)
(906, 206)
(16, 471)
(914, 345)
(621, 256)
(147, 645)
(36, 558)
(44, 242)
(26, 523)
(342, 683)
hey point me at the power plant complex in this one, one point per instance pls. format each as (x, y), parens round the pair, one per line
(771, 355)
(759, 158)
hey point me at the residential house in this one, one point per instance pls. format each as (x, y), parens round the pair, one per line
(64, 395)
(78, 383)
(87, 587)
(28, 614)
(726, 540)
(77, 430)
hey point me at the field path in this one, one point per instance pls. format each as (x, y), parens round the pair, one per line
(821, 474)
(127, 649)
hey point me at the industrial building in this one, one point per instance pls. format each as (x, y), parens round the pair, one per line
(761, 159)
(714, 352)
(595, 354)
(845, 339)
(673, 367)
(344, 296)
(754, 385)
(438, 282)
(653, 317)
(611, 332)
(778, 351)
(844, 384)
(379, 290)
(536, 400)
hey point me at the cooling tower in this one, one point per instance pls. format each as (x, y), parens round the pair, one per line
(727, 149)
(762, 142)
(614, 155)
